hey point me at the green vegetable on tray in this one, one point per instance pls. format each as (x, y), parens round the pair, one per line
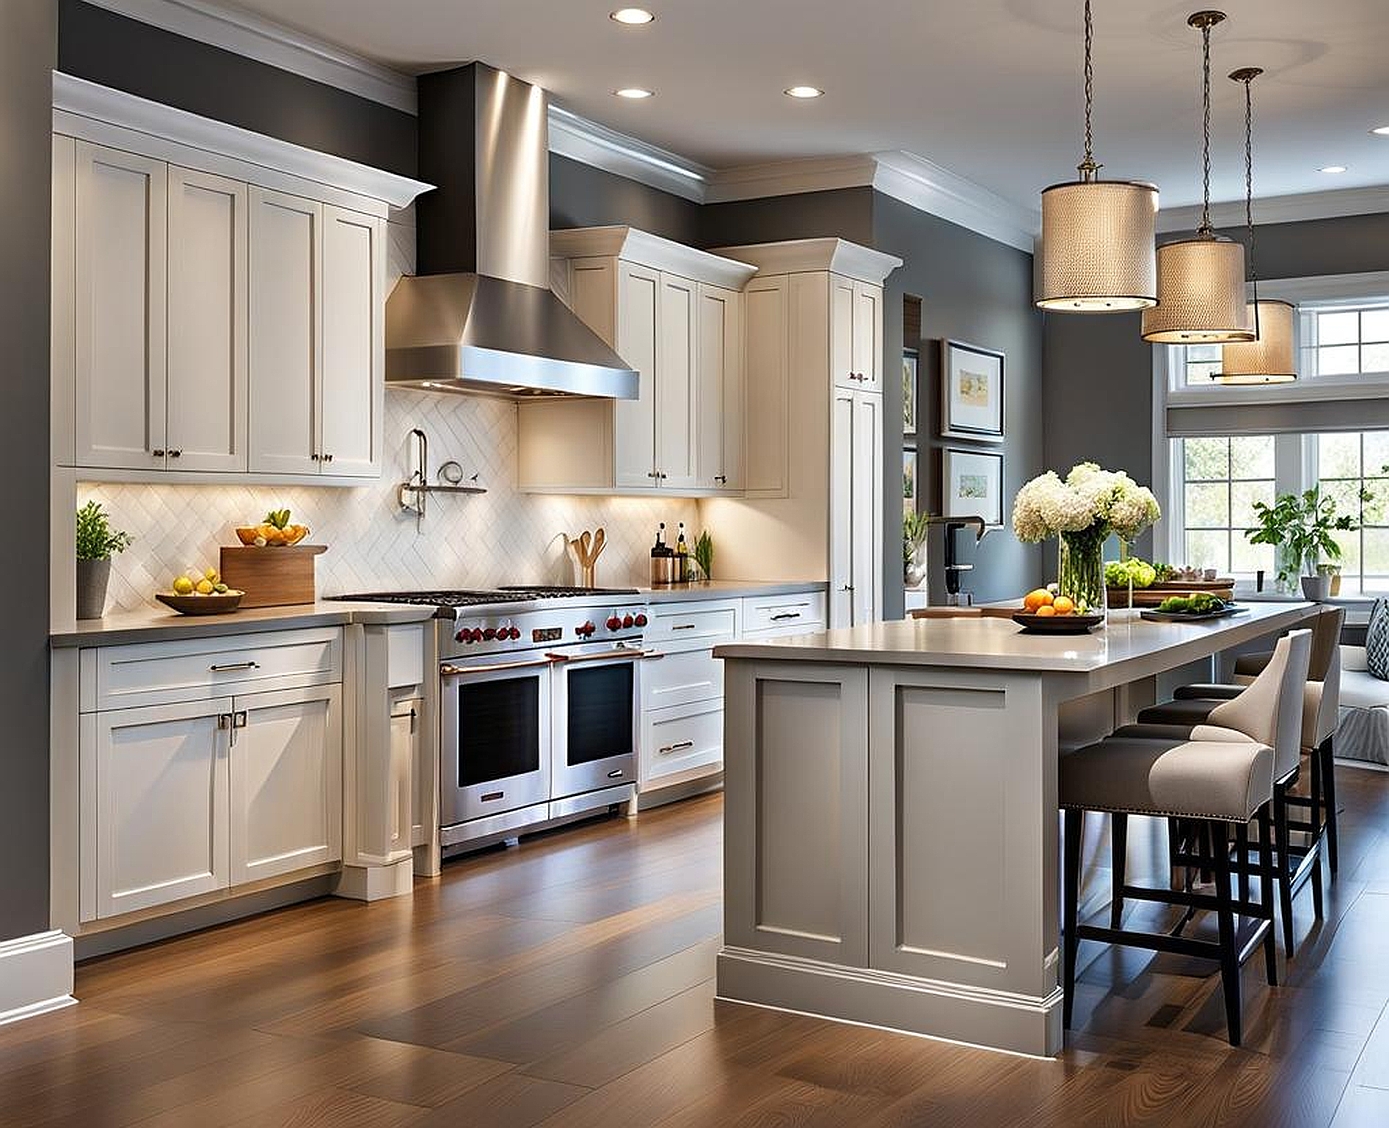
(1200, 603)
(1118, 573)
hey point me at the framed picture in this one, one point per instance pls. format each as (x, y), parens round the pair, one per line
(909, 370)
(971, 393)
(972, 485)
(910, 485)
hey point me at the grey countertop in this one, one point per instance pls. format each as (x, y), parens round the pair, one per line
(730, 589)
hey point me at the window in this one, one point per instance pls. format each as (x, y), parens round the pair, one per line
(1347, 342)
(1221, 479)
(1200, 362)
(1354, 470)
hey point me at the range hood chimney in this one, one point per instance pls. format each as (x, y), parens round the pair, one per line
(480, 317)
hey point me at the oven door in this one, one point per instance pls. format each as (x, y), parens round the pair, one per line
(494, 735)
(596, 716)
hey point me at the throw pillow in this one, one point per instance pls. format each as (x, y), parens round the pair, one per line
(1377, 641)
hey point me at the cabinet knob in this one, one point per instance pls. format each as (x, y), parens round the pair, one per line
(327, 458)
(157, 453)
(653, 474)
(722, 479)
(315, 457)
(175, 454)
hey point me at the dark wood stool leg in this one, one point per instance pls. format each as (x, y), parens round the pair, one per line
(1242, 854)
(1318, 830)
(1229, 951)
(1328, 795)
(1074, 824)
(1285, 866)
(1118, 865)
(1267, 884)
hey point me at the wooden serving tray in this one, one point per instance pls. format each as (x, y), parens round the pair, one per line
(1154, 594)
(273, 576)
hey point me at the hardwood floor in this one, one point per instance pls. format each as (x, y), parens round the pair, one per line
(570, 982)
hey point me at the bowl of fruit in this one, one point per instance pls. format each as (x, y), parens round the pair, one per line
(205, 595)
(1044, 611)
(276, 531)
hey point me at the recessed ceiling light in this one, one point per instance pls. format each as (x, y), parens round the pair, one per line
(636, 93)
(1382, 130)
(1332, 168)
(633, 17)
(803, 92)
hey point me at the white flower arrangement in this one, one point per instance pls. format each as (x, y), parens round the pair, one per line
(1102, 501)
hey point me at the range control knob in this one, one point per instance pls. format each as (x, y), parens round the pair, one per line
(627, 620)
(515, 633)
(614, 623)
(490, 633)
(461, 636)
(585, 630)
(640, 620)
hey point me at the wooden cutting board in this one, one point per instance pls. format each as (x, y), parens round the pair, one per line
(1154, 594)
(273, 576)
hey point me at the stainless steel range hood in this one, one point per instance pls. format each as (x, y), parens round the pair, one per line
(480, 317)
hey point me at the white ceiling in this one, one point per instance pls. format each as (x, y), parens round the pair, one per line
(989, 89)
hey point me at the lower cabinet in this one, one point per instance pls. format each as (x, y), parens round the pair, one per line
(681, 743)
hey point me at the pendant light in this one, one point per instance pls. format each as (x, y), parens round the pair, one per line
(1096, 251)
(1269, 359)
(1201, 280)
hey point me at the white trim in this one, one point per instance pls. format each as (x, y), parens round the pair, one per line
(76, 99)
(633, 245)
(839, 256)
(1369, 285)
(1281, 209)
(35, 975)
(1315, 389)
(789, 178)
(256, 38)
(928, 187)
(596, 145)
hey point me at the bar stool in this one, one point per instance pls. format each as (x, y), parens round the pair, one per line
(1220, 779)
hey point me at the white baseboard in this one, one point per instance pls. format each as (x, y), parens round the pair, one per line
(35, 975)
(376, 883)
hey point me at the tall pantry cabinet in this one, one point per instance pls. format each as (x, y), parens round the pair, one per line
(813, 480)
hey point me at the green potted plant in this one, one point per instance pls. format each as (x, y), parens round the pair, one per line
(914, 529)
(1302, 528)
(704, 555)
(96, 541)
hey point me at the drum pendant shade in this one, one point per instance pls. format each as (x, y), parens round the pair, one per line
(1096, 253)
(1270, 358)
(1201, 298)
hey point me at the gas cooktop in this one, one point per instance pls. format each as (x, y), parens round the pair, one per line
(513, 593)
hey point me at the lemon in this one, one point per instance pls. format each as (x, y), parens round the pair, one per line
(213, 576)
(183, 586)
(204, 587)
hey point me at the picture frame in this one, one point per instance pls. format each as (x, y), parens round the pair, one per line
(911, 480)
(971, 484)
(910, 386)
(972, 392)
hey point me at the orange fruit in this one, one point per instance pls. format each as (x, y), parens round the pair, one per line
(1045, 610)
(1035, 599)
(1063, 604)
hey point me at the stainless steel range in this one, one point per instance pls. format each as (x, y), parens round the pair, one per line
(540, 691)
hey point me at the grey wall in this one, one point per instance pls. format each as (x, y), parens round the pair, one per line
(101, 46)
(583, 196)
(976, 290)
(27, 51)
(843, 212)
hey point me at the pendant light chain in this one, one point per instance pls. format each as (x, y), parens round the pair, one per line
(1087, 167)
(1248, 81)
(1205, 228)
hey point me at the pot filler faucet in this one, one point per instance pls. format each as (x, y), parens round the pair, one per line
(954, 567)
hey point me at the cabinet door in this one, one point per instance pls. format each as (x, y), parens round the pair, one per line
(677, 410)
(120, 308)
(719, 389)
(842, 500)
(155, 796)
(207, 322)
(868, 336)
(353, 376)
(286, 353)
(401, 828)
(286, 782)
(843, 357)
(634, 430)
(766, 365)
(866, 488)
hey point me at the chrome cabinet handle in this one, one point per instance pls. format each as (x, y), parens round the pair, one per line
(616, 773)
(786, 615)
(239, 719)
(683, 627)
(847, 587)
(653, 474)
(722, 479)
(224, 667)
(678, 747)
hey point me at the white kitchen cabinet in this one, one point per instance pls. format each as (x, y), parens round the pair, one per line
(155, 783)
(286, 782)
(351, 396)
(856, 320)
(681, 745)
(766, 398)
(673, 313)
(120, 285)
(856, 508)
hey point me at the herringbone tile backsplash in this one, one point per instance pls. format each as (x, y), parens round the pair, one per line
(502, 536)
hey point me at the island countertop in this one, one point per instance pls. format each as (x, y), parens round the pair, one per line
(1000, 644)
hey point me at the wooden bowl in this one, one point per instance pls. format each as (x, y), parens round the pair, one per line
(247, 535)
(200, 604)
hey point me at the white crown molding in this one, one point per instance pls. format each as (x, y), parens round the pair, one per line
(35, 975)
(593, 144)
(792, 256)
(789, 178)
(77, 101)
(1281, 209)
(642, 247)
(245, 34)
(1328, 288)
(928, 187)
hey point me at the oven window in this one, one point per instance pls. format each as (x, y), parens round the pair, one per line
(498, 729)
(600, 713)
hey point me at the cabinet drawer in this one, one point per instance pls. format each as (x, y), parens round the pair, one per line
(701, 621)
(681, 678)
(195, 669)
(681, 744)
(784, 614)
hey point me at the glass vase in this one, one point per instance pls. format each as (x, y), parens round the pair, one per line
(1080, 570)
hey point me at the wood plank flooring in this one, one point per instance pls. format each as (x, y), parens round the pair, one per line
(570, 982)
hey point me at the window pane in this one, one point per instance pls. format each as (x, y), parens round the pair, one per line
(1376, 453)
(1374, 358)
(1338, 456)
(1376, 557)
(1207, 505)
(1350, 553)
(1207, 549)
(1250, 558)
(1346, 495)
(1338, 328)
(1339, 360)
(1375, 511)
(1374, 325)
(1202, 371)
(1206, 459)
(1243, 495)
(1205, 352)
(1251, 457)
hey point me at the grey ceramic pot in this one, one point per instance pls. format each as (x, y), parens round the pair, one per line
(1316, 588)
(92, 578)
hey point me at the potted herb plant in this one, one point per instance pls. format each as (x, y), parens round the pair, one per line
(1303, 527)
(914, 529)
(96, 541)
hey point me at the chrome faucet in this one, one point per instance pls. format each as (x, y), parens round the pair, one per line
(954, 570)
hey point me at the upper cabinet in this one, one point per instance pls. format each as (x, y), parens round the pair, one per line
(675, 315)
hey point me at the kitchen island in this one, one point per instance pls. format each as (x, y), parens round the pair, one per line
(891, 831)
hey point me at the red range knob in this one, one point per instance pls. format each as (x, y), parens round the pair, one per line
(477, 635)
(640, 620)
(515, 633)
(585, 630)
(627, 620)
(461, 636)
(489, 634)
(614, 623)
